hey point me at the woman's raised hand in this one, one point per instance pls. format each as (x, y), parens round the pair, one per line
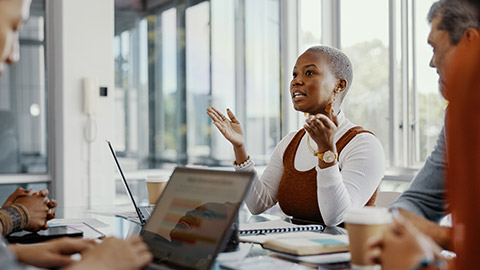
(322, 130)
(230, 127)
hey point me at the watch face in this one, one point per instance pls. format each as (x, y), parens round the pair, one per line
(329, 157)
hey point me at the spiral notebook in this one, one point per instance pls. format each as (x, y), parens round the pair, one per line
(262, 231)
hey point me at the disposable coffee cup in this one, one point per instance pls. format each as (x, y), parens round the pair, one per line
(155, 186)
(362, 224)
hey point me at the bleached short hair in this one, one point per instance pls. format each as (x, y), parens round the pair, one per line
(339, 62)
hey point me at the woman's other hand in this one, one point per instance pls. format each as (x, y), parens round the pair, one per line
(230, 127)
(322, 130)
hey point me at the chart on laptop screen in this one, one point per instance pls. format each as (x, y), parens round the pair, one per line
(193, 216)
(213, 196)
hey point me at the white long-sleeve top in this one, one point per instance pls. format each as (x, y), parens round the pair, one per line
(362, 164)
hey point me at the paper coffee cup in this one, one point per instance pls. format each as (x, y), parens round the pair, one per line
(155, 186)
(362, 224)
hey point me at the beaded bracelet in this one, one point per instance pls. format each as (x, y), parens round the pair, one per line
(14, 218)
(244, 164)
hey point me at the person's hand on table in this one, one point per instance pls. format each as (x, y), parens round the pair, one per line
(114, 253)
(39, 207)
(402, 247)
(19, 192)
(51, 254)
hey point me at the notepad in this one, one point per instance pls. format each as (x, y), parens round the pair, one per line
(262, 231)
(319, 244)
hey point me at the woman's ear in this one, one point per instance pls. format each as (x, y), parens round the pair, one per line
(341, 86)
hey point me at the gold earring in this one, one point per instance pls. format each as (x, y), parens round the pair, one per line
(329, 107)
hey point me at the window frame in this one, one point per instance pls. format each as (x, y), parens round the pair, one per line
(404, 142)
(47, 178)
(403, 114)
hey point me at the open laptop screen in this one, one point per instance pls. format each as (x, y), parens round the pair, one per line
(193, 216)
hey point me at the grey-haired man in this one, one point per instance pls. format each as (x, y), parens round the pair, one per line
(424, 201)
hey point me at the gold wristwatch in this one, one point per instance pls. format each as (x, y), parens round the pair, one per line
(327, 156)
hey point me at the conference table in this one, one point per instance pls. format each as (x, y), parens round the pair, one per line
(107, 221)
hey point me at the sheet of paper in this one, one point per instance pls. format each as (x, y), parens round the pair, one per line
(319, 259)
(89, 232)
(67, 221)
(87, 225)
(240, 254)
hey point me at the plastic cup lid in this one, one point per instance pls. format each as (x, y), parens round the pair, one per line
(368, 215)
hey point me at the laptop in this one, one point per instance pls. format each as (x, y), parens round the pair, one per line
(193, 217)
(143, 212)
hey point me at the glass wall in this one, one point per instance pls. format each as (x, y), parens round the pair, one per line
(365, 40)
(181, 57)
(430, 104)
(223, 94)
(262, 78)
(198, 54)
(309, 24)
(23, 102)
(197, 46)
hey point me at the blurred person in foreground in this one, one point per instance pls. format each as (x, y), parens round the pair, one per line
(424, 202)
(112, 253)
(404, 246)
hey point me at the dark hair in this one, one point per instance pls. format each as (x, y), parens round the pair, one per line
(456, 17)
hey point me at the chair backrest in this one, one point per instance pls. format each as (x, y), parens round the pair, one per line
(385, 198)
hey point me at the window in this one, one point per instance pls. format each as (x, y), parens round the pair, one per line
(262, 78)
(183, 56)
(365, 40)
(309, 24)
(430, 104)
(394, 91)
(23, 110)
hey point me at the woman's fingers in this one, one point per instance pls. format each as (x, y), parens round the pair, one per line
(219, 114)
(317, 124)
(216, 115)
(213, 115)
(327, 122)
(232, 116)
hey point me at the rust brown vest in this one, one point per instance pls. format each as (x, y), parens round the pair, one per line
(297, 192)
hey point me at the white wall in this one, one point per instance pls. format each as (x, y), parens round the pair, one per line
(81, 45)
